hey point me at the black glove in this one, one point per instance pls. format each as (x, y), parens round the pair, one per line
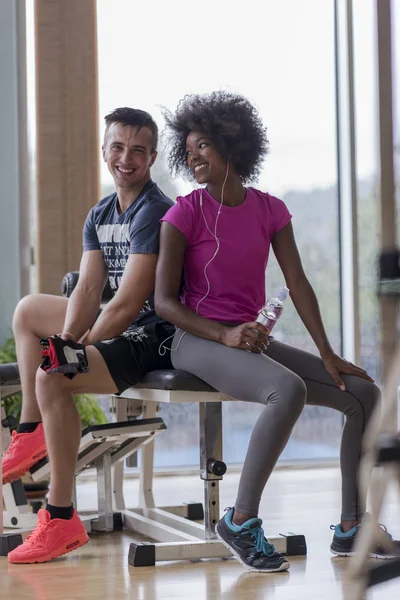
(63, 357)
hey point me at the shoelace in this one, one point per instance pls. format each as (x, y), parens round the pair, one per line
(38, 533)
(262, 545)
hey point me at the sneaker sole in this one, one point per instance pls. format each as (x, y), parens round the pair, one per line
(371, 555)
(73, 544)
(283, 567)
(23, 468)
(336, 553)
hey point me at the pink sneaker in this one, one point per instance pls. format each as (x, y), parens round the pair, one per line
(25, 450)
(50, 539)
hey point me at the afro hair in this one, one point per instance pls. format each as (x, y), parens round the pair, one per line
(229, 120)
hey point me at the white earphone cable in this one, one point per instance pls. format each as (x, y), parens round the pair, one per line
(163, 349)
(213, 234)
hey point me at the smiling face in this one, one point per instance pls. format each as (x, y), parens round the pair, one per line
(204, 160)
(128, 152)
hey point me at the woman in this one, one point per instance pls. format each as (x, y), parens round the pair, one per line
(221, 235)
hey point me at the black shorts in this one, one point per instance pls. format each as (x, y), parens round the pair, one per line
(136, 352)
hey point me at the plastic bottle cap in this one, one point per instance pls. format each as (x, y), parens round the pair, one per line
(283, 293)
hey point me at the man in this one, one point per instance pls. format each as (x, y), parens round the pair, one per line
(120, 241)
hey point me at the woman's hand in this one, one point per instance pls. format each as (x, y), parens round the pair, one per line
(334, 365)
(249, 336)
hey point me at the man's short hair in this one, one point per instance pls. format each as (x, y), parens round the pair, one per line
(134, 117)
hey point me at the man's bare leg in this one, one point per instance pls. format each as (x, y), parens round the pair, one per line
(61, 421)
(36, 316)
(59, 529)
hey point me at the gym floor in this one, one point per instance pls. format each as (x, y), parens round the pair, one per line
(300, 500)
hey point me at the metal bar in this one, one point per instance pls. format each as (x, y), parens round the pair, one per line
(181, 510)
(105, 521)
(134, 521)
(134, 410)
(118, 467)
(24, 521)
(15, 498)
(210, 415)
(119, 408)
(131, 429)
(117, 475)
(149, 395)
(74, 495)
(88, 520)
(9, 390)
(146, 498)
(347, 179)
(198, 550)
(191, 551)
(211, 507)
(172, 520)
(126, 450)
(98, 449)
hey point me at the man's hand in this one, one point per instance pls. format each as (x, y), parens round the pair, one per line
(66, 336)
(334, 365)
(249, 336)
(67, 357)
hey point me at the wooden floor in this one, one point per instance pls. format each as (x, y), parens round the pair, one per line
(304, 501)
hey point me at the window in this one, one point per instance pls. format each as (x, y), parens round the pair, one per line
(368, 208)
(281, 56)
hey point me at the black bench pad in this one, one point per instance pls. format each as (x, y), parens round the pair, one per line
(157, 380)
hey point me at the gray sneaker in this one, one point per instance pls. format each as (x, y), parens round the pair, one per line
(343, 543)
(249, 545)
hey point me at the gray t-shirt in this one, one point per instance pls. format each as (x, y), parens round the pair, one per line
(135, 231)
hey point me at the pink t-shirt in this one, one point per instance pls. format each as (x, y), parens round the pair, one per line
(237, 273)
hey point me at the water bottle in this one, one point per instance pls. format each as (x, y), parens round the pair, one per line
(272, 310)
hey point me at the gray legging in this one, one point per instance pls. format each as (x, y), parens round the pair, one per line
(284, 380)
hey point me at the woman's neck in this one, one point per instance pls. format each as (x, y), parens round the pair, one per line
(234, 191)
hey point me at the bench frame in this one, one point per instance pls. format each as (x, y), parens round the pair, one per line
(175, 533)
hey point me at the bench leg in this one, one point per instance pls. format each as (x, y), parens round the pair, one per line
(179, 539)
(146, 498)
(105, 521)
(210, 414)
(118, 486)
